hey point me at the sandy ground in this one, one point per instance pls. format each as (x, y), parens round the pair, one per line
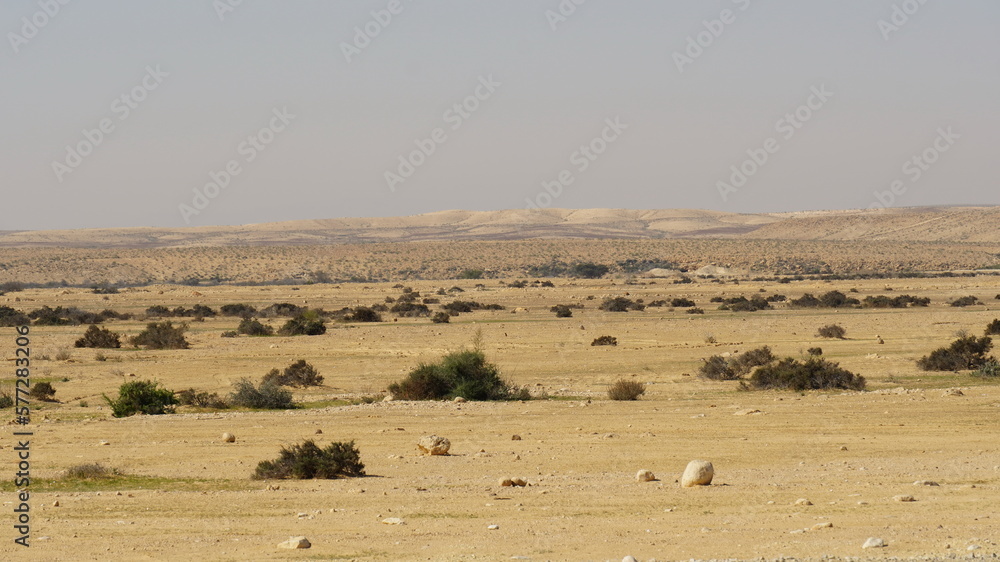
(848, 454)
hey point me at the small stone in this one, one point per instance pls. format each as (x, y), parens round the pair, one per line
(874, 542)
(459, 399)
(515, 437)
(295, 542)
(434, 445)
(925, 483)
(519, 482)
(55, 503)
(645, 476)
(506, 482)
(228, 438)
(393, 521)
(493, 527)
(104, 443)
(388, 398)
(629, 559)
(697, 473)
(904, 498)
(803, 501)
(843, 447)
(319, 432)
(819, 526)
(973, 547)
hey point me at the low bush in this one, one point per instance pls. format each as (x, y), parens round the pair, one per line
(993, 328)
(620, 304)
(562, 311)
(623, 389)
(441, 318)
(91, 471)
(241, 310)
(364, 314)
(230, 334)
(832, 331)
(6, 400)
(299, 374)
(10, 317)
(462, 373)
(102, 338)
(253, 327)
(989, 369)
(283, 309)
(682, 303)
(43, 391)
(307, 460)
(902, 301)
(813, 374)
(410, 310)
(306, 323)
(141, 397)
(832, 299)
(191, 397)
(743, 304)
(162, 335)
(815, 351)
(604, 340)
(965, 301)
(268, 395)
(695, 311)
(967, 352)
(589, 270)
(720, 368)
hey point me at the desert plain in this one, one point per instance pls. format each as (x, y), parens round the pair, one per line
(807, 475)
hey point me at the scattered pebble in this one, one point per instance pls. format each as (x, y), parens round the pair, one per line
(874, 542)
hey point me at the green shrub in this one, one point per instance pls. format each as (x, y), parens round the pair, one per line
(441, 318)
(306, 323)
(623, 389)
(364, 314)
(102, 338)
(461, 373)
(252, 327)
(968, 352)
(604, 340)
(562, 311)
(141, 397)
(989, 369)
(620, 304)
(965, 301)
(307, 460)
(268, 396)
(299, 373)
(813, 374)
(43, 391)
(736, 367)
(993, 328)
(832, 331)
(162, 335)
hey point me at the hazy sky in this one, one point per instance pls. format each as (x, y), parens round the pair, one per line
(316, 107)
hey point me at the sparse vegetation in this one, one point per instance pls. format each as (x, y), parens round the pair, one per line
(695, 310)
(305, 323)
(253, 327)
(721, 368)
(102, 338)
(902, 301)
(967, 352)
(834, 331)
(815, 351)
(589, 270)
(461, 373)
(191, 397)
(682, 303)
(743, 304)
(10, 317)
(6, 400)
(364, 314)
(91, 471)
(990, 369)
(624, 389)
(43, 391)
(307, 460)
(441, 318)
(141, 397)
(993, 328)
(562, 311)
(620, 304)
(965, 301)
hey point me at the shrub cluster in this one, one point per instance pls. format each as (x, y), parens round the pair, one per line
(743, 304)
(620, 304)
(162, 335)
(623, 389)
(989, 369)
(562, 311)
(736, 367)
(241, 310)
(965, 301)
(297, 374)
(967, 352)
(269, 395)
(305, 323)
(100, 338)
(282, 309)
(254, 327)
(198, 311)
(993, 328)
(410, 310)
(141, 397)
(589, 270)
(441, 318)
(191, 397)
(812, 374)
(72, 316)
(10, 317)
(832, 299)
(902, 301)
(604, 340)
(307, 460)
(43, 391)
(364, 314)
(461, 373)
(457, 307)
(832, 331)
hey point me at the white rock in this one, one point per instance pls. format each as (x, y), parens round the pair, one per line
(393, 521)
(698, 473)
(645, 476)
(874, 542)
(434, 445)
(819, 526)
(493, 527)
(295, 542)
(629, 559)
(803, 501)
(228, 438)
(459, 399)
(925, 483)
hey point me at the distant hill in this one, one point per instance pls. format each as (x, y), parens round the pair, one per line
(920, 224)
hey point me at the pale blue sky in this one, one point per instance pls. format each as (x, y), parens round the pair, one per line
(557, 88)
